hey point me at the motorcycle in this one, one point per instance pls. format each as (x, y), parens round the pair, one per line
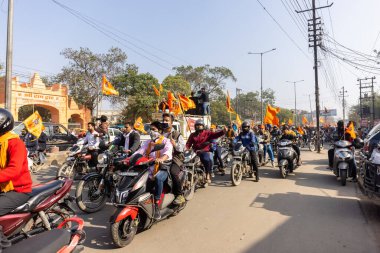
(286, 157)
(48, 205)
(135, 202)
(224, 155)
(97, 186)
(77, 161)
(241, 164)
(260, 152)
(369, 175)
(60, 240)
(195, 170)
(343, 160)
(274, 140)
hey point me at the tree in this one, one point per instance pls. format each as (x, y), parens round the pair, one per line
(136, 89)
(284, 115)
(219, 114)
(176, 84)
(213, 79)
(84, 72)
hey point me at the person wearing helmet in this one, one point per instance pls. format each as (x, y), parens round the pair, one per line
(250, 142)
(199, 141)
(15, 179)
(267, 145)
(289, 134)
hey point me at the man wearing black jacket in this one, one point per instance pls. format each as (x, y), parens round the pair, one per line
(130, 139)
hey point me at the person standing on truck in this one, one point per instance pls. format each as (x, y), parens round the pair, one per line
(205, 101)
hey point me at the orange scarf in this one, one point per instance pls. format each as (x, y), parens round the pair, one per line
(6, 186)
(158, 153)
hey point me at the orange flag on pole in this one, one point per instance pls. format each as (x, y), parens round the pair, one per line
(34, 124)
(186, 103)
(299, 129)
(107, 87)
(271, 116)
(304, 120)
(228, 103)
(351, 130)
(156, 90)
(139, 125)
(171, 100)
(238, 120)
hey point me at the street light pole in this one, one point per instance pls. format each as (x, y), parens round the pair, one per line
(9, 57)
(295, 98)
(261, 85)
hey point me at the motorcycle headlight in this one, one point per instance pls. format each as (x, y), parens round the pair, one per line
(121, 196)
(344, 155)
(102, 158)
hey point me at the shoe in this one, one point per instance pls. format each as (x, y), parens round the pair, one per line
(179, 200)
(212, 174)
(299, 163)
(157, 214)
(272, 163)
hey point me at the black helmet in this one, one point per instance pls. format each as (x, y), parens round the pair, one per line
(245, 124)
(6, 121)
(199, 122)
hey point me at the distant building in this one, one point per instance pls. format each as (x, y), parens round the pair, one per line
(114, 115)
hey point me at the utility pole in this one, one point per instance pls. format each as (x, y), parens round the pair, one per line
(343, 95)
(261, 86)
(9, 57)
(364, 89)
(311, 111)
(295, 98)
(315, 38)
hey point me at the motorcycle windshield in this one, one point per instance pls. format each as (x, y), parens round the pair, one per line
(284, 143)
(342, 144)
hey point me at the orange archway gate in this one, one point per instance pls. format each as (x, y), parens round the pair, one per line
(54, 98)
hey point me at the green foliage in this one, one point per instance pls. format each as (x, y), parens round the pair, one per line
(84, 72)
(213, 79)
(176, 84)
(137, 90)
(219, 114)
(27, 110)
(285, 114)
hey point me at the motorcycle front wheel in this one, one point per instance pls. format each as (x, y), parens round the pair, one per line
(284, 170)
(188, 190)
(123, 232)
(236, 174)
(343, 177)
(89, 197)
(66, 170)
(312, 146)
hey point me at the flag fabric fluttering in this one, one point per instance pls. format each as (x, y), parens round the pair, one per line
(228, 103)
(271, 116)
(351, 130)
(171, 100)
(161, 88)
(139, 125)
(156, 91)
(300, 130)
(107, 87)
(186, 103)
(304, 120)
(238, 120)
(34, 124)
(290, 122)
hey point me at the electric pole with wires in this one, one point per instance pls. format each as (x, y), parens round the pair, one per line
(343, 95)
(366, 88)
(315, 38)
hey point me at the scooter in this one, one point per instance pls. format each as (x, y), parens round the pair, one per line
(135, 203)
(286, 157)
(61, 240)
(343, 160)
(48, 205)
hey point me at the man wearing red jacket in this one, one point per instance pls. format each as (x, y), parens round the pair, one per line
(15, 179)
(200, 141)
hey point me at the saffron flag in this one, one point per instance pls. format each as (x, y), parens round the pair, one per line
(156, 90)
(186, 103)
(139, 125)
(300, 130)
(238, 120)
(228, 103)
(176, 109)
(290, 122)
(321, 120)
(171, 100)
(304, 120)
(161, 88)
(351, 130)
(107, 87)
(34, 124)
(271, 116)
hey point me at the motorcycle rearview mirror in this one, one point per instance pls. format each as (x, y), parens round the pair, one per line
(358, 143)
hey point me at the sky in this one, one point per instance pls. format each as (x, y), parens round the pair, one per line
(158, 35)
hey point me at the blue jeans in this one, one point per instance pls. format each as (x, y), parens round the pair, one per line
(207, 160)
(206, 108)
(268, 148)
(160, 178)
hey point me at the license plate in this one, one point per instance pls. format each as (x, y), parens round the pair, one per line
(128, 173)
(102, 165)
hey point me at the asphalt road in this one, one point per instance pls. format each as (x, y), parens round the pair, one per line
(307, 212)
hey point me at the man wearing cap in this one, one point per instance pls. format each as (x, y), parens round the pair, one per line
(200, 142)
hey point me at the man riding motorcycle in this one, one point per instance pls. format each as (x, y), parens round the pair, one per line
(163, 158)
(291, 135)
(15, 179)
(178, 143)
(200, 142)
(129, 139)
(250, 142)
(93, 141)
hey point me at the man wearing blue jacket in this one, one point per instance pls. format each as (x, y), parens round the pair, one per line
(250, 142)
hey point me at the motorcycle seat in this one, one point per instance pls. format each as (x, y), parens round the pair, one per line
(38, 194)
(46, 242)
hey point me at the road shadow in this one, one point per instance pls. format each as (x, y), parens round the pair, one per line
(314, 224)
